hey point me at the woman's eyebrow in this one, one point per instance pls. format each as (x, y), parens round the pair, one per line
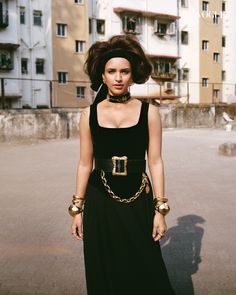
(127, 69)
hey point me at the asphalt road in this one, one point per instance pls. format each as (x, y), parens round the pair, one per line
(38, 255)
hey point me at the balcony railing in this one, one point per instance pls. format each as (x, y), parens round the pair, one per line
(4, 19)
(164, 75)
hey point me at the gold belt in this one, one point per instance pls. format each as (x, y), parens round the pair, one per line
(144, 184)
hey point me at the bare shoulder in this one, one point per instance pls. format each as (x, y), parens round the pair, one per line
(84, 117)
(85, 114)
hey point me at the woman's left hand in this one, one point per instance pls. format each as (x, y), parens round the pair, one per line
(159, 227)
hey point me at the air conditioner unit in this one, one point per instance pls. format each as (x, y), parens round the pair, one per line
(169, 85)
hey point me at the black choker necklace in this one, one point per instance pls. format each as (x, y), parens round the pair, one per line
(119, 98)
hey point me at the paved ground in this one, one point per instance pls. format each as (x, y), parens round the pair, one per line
(38, 255)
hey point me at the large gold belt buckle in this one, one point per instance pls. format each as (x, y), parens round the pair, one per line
(119, 165)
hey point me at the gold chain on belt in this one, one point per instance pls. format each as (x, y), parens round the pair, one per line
(131, 199)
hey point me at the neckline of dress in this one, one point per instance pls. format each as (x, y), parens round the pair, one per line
(120, 128)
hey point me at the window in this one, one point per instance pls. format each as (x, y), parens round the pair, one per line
(205, 44)
(223, 41)
(223, 6)
(131, 24)
(39, 66)
(205, 5)
(79, 1)
(216, 93)
(100, 26)
(164, 68)
(205, 82)
(216, 19)
(184, 3)
(185, 74)
(161, 29)
(80, 92)
(171, 29)
(223, 75)
(62, 77)
(37, 18)
(184, 37)
(22, 15)
(62, 30)
(24, 66)
(6, 60)
(79, 46)
(216, 56)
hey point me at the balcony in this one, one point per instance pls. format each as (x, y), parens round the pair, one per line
(164, 67)
(145, 13)
(4, 19)
(164, 75)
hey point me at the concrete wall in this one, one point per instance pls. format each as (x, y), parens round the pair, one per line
(197, 116)
(33, 125)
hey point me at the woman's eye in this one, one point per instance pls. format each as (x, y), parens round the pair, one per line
(111, 71)
(126, 72)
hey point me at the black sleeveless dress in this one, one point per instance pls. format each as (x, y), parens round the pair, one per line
(121, 257)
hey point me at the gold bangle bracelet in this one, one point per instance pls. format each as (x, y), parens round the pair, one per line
(163, 208)
(74, 210)
(77, 197)
(161, 199)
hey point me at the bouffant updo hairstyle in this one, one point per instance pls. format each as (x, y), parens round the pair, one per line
(117, 46)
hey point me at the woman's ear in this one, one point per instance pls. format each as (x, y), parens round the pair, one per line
(103, 79)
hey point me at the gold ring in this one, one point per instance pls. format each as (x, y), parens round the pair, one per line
(162, 235)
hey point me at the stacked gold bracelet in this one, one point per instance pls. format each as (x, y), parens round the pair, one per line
(77, 205)
(161, 205)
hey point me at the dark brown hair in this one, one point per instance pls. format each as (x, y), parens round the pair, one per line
(94, 65)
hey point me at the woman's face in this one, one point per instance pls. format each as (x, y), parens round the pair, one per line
(117, 75)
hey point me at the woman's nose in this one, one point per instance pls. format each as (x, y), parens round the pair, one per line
(118, 77)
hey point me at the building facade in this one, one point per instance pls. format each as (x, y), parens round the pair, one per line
(191, 45)
(156, 26)
(42, 51)
(43, 44)
(25, 52)
(71, 87)
(229, 49)
(207, 46)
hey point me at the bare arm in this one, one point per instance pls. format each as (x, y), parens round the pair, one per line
(85, 164)
(156, 167)
(155, 162)
(84, 169)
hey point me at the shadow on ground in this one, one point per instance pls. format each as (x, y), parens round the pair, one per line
(181, 251)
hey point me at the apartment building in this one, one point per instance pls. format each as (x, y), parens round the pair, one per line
(207, 46)
(25, 52)
(42, 48)
(69, 47)
(191, 45)
(155, 24)
(211, 61)
(228, 51)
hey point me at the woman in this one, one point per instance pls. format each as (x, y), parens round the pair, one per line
(120, 225)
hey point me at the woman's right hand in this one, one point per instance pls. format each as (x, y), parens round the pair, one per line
(77, 226)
